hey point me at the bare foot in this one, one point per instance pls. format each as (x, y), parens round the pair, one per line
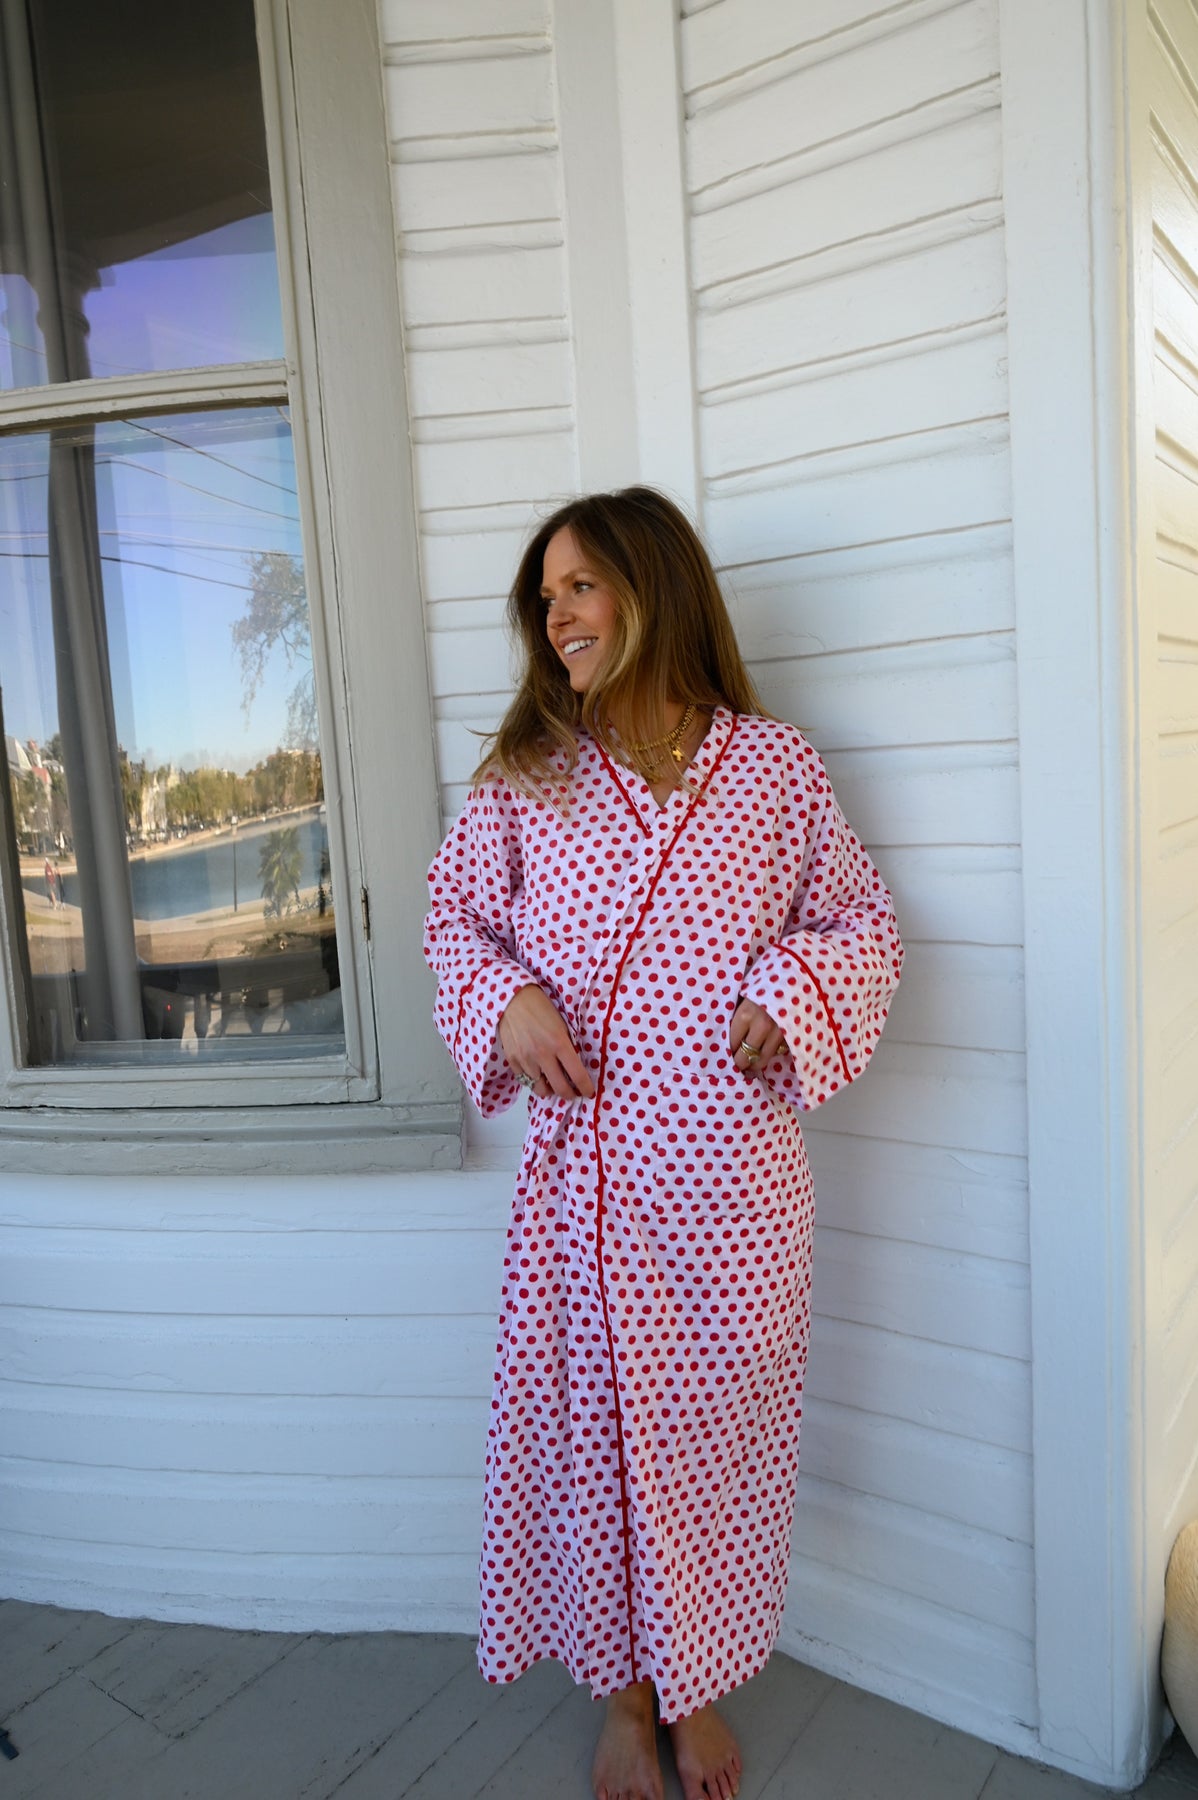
(626, 1766)
(708, 1759)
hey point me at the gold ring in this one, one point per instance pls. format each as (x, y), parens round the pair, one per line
(750, 1050)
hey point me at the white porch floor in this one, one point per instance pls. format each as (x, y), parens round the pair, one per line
(120, 1709)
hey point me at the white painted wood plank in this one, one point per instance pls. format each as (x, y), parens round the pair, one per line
(1177, 875)
(943, 482)
(504, 93)
(738, 34)
(1173, 25)
(918, 388)
(1177, 975)
(511, 468)
(1177, 782)
(471, 661)
(1170, 67)
(1176, 406)
(963, 795)
(951, 283)
(449, 1200)
(430, 1356)
(965, 893)
(494, 283)
(960, 994)
(945, 171)
(941, 1387)
(924, 1649)
(923, 1194)
(330, 1592)
(1177, 689)
(462, 561)
(1179, 1483)
(969, 1100)
(1176, 600)
(940, 588)
(319, 1276)
(834, 98)
(1180, 1357)
(1176, 1103)
(414, 21)
(971, 1301)
(1172, 208)
(489, 380)
(954, 692)
(1174, 304)
(1179, 1267)
(483, 190)
(342, 1435)
(934, 1559)
(261, 1514)
(445, 617)
(943, 1475)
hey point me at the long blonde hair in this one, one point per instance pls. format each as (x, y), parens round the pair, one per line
(672, 641)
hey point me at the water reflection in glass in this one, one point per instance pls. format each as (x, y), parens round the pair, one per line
(162, 741)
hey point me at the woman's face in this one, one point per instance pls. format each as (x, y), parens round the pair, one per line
(580, 613)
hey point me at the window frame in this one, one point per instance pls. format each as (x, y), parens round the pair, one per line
(392, 1101)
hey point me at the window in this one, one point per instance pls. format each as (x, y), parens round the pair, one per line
(203, 605)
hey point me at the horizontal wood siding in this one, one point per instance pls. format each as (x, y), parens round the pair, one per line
(476, 162)
(248, 1403)
(1171, 689)
(847, 257)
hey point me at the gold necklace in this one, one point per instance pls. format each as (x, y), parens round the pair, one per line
(671, 742)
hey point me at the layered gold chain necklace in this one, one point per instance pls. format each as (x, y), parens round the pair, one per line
(671, 743)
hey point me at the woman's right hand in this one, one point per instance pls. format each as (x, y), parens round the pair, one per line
(535, 1041)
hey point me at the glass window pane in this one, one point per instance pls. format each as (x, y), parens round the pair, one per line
(135, 213)
(164, 758)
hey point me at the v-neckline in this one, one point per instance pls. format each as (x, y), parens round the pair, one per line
(699, 764)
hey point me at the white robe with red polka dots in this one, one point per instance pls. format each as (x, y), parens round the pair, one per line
(640, 1471)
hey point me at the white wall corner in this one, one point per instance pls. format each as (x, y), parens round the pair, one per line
(656, 216)
(1065, 184)
(620, 124)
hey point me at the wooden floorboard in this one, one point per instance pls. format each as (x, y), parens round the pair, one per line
(120, 1709)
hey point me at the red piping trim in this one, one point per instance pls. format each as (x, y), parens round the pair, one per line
(457, 1030)
(624, 791)
(844, 1061)
(625, 1529)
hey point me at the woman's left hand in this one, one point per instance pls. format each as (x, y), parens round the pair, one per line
(754, 1037)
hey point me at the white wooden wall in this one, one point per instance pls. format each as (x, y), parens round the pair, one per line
(844, 175)
(264, 1402)
(1170, 699)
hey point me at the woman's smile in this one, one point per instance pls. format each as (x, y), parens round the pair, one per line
(580, 611)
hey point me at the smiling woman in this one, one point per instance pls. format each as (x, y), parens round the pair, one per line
(652, 916)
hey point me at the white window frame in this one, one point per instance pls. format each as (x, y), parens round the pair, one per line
(343, 379)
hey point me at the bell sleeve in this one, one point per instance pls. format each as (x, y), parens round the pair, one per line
(469, 944)
(829, 976)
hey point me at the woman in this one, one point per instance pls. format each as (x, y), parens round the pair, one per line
(652, 915)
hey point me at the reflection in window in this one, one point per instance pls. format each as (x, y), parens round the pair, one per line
(167, 797)
(135, 210)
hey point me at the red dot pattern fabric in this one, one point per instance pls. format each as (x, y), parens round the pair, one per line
(641, 1459)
